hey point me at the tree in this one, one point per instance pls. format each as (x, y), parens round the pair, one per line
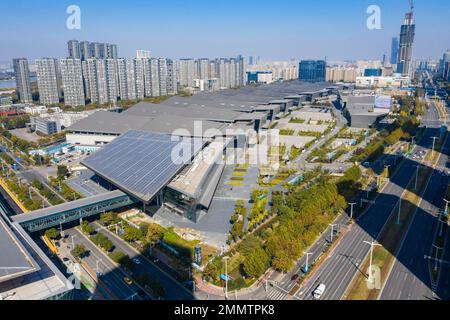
(144, 279)
(282, 261)
(250, 244)
(395, 136)
(79, 251)
(255, 195)
(256, 263)
(143, 226)
(102, 241)
(120, 257)
(109, 218)
(87, 228)
(62, 171)
(132, 234)
(236, 284)
(157, 288)
(52, 233)
(154, 233)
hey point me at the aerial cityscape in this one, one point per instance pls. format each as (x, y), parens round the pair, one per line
(235, 158)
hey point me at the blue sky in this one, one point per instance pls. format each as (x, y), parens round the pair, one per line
(272, 29)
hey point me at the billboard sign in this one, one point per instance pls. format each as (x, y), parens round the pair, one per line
(383, 102)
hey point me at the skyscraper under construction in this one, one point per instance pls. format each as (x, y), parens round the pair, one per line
(407, 33)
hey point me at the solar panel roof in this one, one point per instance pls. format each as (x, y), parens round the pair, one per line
(142, 163)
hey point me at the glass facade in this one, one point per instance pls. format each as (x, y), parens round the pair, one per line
(372, 73)
(312, 70)
(181, 204)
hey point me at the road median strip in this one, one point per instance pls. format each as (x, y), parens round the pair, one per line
(391, 237)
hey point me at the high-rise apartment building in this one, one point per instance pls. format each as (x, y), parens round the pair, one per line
(127, 79)
(162, 69)
(48, 80)
(139, 72)
(143, 54)
(87, 50)
(74, 49)
(203, 71)
(172, 87)
(224, 73)
(312, 70)
(72, 82)
(23, 84)
(146, 65)
(113, 51)
(233, 71)
(241, 71)
(442, 64)
(86, 83)
(186, 68)
(102, 80)
(112, 80)
(154, 77)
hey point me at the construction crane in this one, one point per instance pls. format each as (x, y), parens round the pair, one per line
(410, 14)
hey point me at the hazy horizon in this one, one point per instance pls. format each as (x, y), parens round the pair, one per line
(275, 31)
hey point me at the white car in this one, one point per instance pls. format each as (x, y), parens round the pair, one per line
(319, 291)
(136, 261)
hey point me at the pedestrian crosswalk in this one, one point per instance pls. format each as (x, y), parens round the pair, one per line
(274, 294)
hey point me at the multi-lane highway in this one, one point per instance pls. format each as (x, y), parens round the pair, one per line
(110, 277)
(344, 262)
(409, 278)
(173, 289)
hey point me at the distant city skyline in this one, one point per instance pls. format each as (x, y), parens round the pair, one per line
(219, 29)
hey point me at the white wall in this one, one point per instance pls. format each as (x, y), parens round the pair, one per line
(88, 140)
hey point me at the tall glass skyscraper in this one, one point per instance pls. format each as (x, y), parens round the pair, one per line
(394, 50)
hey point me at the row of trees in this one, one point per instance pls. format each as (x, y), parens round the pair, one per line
(47, 193)
(302, 215)
(10, 123)
(259, 211)
(237, 221)
(405, 126)
(102, 241)
(64, 190)
(22, 192)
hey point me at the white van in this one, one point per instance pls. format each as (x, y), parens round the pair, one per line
(319, 291)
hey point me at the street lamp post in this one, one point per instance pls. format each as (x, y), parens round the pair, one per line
(399, 209)
(417, 176)
(441, 222)
(351, 209)
(226, 276)
(372, 244)
(332, 231)
(446, 206)
(307, 261)
(434, 141)
(436, 257)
